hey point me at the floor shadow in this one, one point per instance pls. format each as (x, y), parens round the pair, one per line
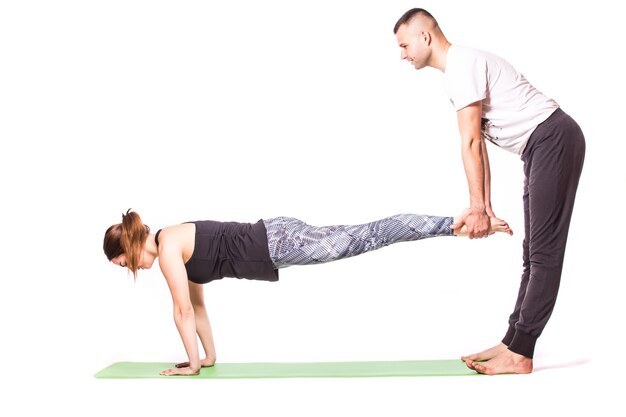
(569, 364)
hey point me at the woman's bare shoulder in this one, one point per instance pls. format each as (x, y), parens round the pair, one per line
(179, 228)
(177, 235)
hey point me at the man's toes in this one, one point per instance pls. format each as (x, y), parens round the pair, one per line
(481, 369)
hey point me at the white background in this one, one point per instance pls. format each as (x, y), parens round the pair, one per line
(241, 110)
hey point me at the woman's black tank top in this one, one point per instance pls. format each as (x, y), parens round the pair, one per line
(229, 249)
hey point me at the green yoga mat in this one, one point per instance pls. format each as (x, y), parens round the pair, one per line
(453, 367)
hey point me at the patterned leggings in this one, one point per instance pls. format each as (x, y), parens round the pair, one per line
(293, 242)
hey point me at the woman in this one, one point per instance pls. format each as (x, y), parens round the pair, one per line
(194, 253)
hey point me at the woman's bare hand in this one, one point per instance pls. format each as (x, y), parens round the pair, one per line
(180, 371)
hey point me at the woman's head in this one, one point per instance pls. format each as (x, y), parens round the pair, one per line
(124, 243)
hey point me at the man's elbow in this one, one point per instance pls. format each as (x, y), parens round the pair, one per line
(472, 144)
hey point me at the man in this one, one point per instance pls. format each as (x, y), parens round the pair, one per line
(495, 102)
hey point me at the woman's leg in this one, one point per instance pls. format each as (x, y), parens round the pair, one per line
(293, 242)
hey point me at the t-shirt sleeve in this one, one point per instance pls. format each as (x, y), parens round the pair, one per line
(467, 81)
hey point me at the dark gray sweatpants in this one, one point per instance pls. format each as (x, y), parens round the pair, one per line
(553, 160)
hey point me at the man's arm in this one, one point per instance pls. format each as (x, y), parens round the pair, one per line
(487, 171)
(472, 147)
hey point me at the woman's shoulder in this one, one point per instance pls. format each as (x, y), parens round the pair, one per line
(179, 233)
(177, 240)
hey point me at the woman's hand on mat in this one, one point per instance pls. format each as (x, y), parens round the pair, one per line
(180, 371)
(205, 363)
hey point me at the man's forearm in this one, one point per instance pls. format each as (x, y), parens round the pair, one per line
(475, 172)
(487, 179)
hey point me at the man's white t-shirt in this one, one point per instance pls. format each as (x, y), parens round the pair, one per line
(512, 107)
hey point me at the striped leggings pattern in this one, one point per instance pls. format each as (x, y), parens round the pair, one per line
(293, 242)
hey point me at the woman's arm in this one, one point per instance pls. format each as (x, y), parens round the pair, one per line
(173, 268)
(203, 326)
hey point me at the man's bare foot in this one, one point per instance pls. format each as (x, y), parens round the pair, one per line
(505, 362)
(485, 355)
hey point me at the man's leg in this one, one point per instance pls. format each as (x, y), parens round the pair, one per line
(552, 182)
(508, 338)
(492, 352)
(553, 164)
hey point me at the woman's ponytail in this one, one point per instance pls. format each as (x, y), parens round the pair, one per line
(129, 238)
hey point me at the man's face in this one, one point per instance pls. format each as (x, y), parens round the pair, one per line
(414, 45)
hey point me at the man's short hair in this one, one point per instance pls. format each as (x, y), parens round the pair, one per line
(409, 15)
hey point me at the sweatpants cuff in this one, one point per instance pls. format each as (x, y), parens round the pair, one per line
(523, 344)
(508, 337)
